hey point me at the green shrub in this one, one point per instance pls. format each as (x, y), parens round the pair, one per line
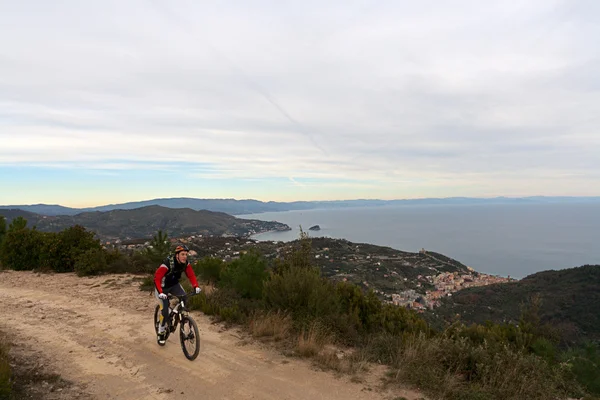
(118, 263)
(493, 334)
(17, 224)
(204, 303)
(302, 292)
(397, 320)
(52, 253)
(21, 248)
(226, 304)
(584, 364)
(209, 269)
(246, 275)
(361, 309)
(544, 348)
(147, 284)
(122, 263)
(455, 368)
(27, 249)
(91, 262)
(2, 228)
(72, 242)
(59, 251)
(140, 263)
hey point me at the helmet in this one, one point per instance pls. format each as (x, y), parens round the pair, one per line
(181, 247)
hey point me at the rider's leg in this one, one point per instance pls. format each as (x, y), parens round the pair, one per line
(164, 311)
(177, 290)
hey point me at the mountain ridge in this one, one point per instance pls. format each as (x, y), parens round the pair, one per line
(144, 222)
(250, 206)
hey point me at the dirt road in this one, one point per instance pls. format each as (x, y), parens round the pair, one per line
(98, 333)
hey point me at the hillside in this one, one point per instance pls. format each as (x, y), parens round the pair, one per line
(570, 301)
(249, 206)
(146, 221)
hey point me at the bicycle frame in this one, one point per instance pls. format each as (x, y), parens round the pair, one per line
(178, 311)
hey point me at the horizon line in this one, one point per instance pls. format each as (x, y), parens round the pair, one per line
(310, 201)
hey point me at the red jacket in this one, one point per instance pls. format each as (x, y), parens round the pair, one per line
(169, 274)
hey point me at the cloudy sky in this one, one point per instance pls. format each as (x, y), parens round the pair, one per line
(112, 101)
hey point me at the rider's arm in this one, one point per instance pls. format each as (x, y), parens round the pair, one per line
(158, 276)
(191, 276)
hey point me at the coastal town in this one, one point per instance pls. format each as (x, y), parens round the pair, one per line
(445, 284)
(414, 280)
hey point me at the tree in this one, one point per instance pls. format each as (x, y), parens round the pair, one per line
(51, 256)
(17, 223)
(63, 250)
(21, 248)
(159, 248)
(209, 269)
(13, 243)
(2, 228)
(246, 275)
(300, 257)
(91, 262)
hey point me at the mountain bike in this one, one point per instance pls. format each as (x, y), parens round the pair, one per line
(188, 330)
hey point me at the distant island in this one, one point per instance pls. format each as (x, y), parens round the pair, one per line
(239, 207)
(314, 228)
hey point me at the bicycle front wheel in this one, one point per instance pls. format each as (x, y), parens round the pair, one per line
(190, 338)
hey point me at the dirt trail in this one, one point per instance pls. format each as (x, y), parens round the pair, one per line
(98, 333)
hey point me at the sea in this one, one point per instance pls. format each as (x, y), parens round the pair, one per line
(513, 240)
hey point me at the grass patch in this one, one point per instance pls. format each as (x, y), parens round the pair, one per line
(332, 359)
(276, 325)
(312, 340)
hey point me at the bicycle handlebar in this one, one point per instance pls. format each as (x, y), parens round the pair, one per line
(174, 296)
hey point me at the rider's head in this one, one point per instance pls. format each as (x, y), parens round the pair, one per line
(181, 253)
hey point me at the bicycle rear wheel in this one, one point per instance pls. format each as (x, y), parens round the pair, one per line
(189, 337)
(157, 321)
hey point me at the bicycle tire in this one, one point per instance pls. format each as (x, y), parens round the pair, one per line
(156, 322)
(185, 321)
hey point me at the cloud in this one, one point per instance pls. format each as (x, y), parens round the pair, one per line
(391, 91)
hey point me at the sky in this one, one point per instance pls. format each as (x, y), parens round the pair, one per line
(115, 101)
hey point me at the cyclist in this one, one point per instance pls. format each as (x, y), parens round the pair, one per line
(166, 281)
